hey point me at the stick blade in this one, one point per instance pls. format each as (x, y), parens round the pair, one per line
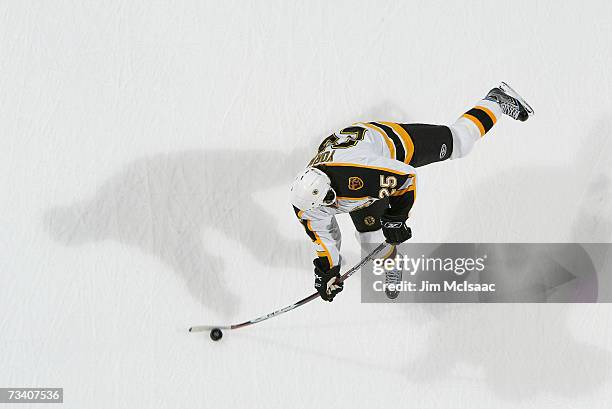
(202, 328)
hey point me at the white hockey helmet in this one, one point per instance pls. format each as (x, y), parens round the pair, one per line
(310, 189)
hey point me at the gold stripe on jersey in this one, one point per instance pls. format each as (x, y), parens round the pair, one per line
(384, 136)
(402, 191)
(406, 140)
(411, 188)
(400, 151)
(314, 236)
(397, 172)
(322, 244)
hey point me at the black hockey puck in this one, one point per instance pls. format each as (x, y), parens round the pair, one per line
(216, 334)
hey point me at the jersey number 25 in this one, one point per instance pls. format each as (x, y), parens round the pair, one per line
(387, 186)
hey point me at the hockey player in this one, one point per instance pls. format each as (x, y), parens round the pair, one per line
(368, 171)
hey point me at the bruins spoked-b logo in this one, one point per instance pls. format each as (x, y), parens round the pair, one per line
(355, 183)
(369, 220)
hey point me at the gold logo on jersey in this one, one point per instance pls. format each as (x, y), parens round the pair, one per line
(355, 183)
(369, 220)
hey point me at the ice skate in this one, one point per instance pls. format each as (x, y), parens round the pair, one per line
(392, 277)
(511, 103)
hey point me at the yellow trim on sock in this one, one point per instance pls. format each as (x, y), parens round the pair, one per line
(476, 122)
(488, 111)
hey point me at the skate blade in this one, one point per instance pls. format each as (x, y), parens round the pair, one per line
(508, 90)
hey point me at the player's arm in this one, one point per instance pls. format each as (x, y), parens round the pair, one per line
(324, 232)
(401, 202)
(398, 182)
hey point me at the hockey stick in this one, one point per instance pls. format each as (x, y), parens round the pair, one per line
(200, 328)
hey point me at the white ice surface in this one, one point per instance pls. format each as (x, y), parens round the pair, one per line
(145, 150)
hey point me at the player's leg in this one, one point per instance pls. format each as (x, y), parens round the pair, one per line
(472, 126)
(427, 144)
(475, 123)
(369, 233)
(430, 143)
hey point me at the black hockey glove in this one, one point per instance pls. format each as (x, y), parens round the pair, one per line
(394, 228)
(325, 279)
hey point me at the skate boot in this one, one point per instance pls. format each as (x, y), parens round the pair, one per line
(511, 103)
(392, 277)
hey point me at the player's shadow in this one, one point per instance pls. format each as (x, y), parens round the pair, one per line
(522, 350)
(171, 205)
